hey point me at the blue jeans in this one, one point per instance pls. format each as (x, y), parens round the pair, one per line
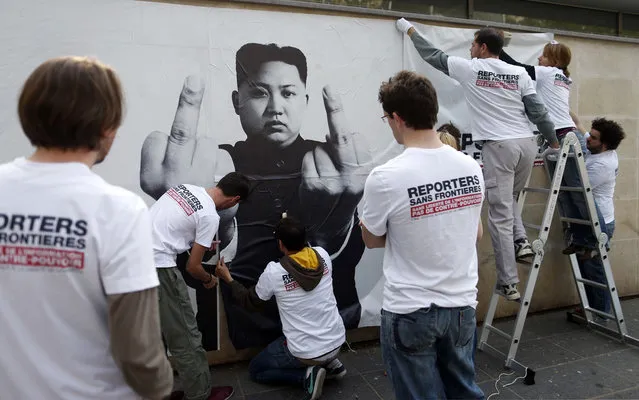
(593, 269)
(428, 354)
(276, 365)
(573, 204)
(475, 345)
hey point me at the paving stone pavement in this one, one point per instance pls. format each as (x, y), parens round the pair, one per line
(570, 361)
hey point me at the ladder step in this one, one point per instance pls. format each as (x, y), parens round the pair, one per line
(536, 189)
(499, 332)
(572, 189)
(600, 313)
(570, 154)
(575, 221)
(547, 190)
(531, 226)
(555, 157)
(591, 283)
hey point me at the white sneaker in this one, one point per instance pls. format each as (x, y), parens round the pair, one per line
(523, 251)
(510, 292)
(335, 369)
(314, 382)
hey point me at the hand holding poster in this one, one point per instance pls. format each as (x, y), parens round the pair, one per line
(523, 47)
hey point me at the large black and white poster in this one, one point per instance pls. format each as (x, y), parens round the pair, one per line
(298, 114)
(289, 99)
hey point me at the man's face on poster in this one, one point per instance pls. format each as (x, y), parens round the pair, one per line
(271, 103)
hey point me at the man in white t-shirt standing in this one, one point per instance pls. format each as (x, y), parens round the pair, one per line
(501, 100)
(603, 166)
(186, 217)
(423, 207)
(301, 282)
(78, 289)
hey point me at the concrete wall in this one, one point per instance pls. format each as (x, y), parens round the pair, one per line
(604, 73)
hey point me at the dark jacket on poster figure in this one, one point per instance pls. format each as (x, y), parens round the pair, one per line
(275, 176)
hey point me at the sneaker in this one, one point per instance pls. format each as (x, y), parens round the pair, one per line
(571, 249)
(510, 292)
(523, 251)
(335, 369)
(221, 393)
(314, 381)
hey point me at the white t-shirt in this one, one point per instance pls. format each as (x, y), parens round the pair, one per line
(428, 203)
(494, 91)
(554, 90)
(310, 320)
(184, 215)
(602, 173)
(67, 240)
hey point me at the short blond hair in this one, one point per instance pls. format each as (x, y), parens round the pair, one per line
(448, 139)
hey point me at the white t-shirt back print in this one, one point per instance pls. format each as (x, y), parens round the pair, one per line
(494, 91)
(430, 215)
(68, 239)
(184, 215)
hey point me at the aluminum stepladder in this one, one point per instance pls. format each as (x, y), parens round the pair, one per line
(570, 148)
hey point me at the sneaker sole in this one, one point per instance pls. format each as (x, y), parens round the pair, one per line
(525, 256)
(319, 383)
(525, 253)
(513, 297)
(336, 376)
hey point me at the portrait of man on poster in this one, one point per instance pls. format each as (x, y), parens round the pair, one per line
(320, 183)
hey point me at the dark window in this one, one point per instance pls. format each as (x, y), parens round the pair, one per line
(541, 15)
(546, 16)
(630, 25)
(447, 8)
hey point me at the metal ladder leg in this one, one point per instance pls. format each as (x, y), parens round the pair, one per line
(538, 248)
(621, 331)
(569, 142)
(617, 314)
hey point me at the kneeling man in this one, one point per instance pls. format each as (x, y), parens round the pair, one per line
(313, 330)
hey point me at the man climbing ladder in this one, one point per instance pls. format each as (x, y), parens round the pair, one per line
(570, 148)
